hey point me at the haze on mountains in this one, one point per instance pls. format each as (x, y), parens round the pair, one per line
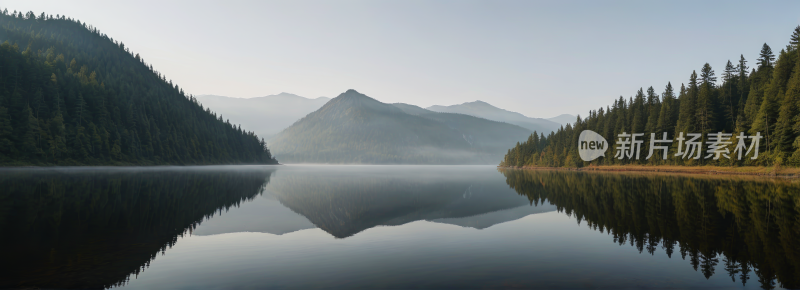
(484, 110)
(356, 129)
(266, 116)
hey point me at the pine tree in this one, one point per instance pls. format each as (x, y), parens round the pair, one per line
(654, 105)
(766, 57)
(728, 95)
(668, 113)
(687, 99)
(795, 39)
(743, 86)
(705, 101)
(639, 113)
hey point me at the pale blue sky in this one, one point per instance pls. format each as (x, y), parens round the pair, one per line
(540, 58)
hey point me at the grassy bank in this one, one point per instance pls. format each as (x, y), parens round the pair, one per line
(777, 171)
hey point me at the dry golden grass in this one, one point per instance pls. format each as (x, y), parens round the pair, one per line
(741, 170)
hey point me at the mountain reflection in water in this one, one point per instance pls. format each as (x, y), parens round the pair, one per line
(310, 226)
(352, 199)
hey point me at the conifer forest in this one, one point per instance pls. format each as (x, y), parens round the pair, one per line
(71, 95)
(763, 100)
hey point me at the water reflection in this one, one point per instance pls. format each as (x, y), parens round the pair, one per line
(93, 228)
(403, 226)
(750, 225)
(346, 200)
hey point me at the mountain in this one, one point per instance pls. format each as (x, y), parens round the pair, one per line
(266, 116)
(484, 110)
(354, 128)
(412, 109)
(70, 95)
(563, 119)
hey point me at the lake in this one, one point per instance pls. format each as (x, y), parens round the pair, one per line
(368, 227)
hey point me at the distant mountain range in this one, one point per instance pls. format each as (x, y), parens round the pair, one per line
(269, 115)
(266, 116)
(354, 128)
(484, 110)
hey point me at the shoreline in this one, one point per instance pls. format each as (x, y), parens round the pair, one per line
(782, 172)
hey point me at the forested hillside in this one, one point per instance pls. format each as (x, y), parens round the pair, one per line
(70, 95)
(763, 100)
(356, 129)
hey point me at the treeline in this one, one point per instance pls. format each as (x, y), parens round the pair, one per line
(70, 95)
(748, 226)
(764, 100)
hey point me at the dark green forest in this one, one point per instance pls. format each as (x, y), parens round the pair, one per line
(71, 95)
(763, 100)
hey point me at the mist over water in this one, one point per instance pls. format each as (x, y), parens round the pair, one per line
(323, 226)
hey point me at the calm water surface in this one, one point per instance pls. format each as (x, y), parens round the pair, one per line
(432, 227)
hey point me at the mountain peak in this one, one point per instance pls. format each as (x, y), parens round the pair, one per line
(353, 94)
(352, 99)
(479, 103)
(287, 94)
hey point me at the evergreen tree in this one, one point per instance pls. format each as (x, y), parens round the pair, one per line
(669, 111)
(654, 105)
(705, 101)
(766, 57)
(638, 108)
(728, 101)
(743, 85)
(687, 98)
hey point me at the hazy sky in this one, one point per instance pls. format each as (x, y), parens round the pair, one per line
(540, 58)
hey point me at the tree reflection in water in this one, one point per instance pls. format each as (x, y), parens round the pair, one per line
(95, 228)
(749, 224)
